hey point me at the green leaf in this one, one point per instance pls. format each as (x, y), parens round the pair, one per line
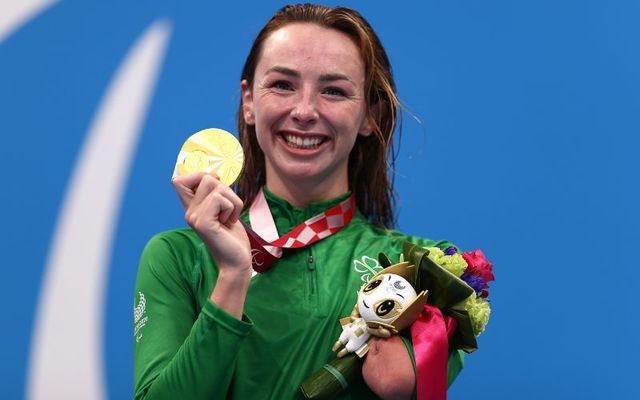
(463, 338)
(447, 292)
(384, 260)
(445, 289)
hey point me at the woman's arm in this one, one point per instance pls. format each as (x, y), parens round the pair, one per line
(389, 369)
(181, 351)
(213, 210)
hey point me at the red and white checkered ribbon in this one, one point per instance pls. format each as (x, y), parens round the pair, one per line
(266, 245)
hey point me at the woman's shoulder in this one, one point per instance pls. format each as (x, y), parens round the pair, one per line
(171, 248)
(184, 235)
(395, 235)
(418, 240)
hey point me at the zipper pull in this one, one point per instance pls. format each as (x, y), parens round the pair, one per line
(310, 261)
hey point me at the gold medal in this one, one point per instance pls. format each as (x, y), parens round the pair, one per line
(212, 151)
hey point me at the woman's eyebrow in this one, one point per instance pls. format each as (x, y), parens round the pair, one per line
(284, 71)
(335, 77)
(324, 78)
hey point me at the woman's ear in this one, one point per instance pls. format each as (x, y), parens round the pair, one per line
(247, 103)
(376, 113)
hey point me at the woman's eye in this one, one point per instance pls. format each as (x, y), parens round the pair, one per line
(331, 91)
(281, 85)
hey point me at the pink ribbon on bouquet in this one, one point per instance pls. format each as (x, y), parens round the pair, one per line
(430, 336)
(267, 245)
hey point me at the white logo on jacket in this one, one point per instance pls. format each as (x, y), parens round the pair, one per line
(139, 317)
(367, 267)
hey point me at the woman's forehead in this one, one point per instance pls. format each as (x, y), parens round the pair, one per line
(309, 46)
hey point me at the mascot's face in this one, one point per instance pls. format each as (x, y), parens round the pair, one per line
(384, 298)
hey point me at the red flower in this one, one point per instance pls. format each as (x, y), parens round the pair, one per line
(478, 265)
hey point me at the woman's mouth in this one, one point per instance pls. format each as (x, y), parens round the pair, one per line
(303, 142)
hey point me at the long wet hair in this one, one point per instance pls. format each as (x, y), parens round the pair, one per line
(372, 158)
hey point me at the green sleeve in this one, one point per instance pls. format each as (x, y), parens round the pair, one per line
(180, 352)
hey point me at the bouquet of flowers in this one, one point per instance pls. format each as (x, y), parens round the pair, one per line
(457, 285)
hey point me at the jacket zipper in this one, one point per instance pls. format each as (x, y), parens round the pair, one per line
(312, 271)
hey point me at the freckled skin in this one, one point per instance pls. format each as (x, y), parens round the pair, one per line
(309, 82)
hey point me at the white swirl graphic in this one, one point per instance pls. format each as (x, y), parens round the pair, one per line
(14, 14)
(66, 359)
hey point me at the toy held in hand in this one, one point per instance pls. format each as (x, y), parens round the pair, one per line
(386, 304)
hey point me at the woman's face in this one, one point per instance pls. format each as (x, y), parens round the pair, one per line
(307, 104)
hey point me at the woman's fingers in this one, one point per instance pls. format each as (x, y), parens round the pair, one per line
(238, 205)
(228, 205)
(186, 186)
(217, 208)
(212, 209)
(208, 183)
(207, 201)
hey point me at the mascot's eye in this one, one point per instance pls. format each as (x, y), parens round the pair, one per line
(385, 307)
(372, 285)
(398, 285)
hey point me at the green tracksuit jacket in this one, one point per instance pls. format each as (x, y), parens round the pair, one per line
(185, 347)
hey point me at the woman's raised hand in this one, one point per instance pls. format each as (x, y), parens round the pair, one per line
(212, 209)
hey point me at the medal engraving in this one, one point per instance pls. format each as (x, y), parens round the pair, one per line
(211, 151)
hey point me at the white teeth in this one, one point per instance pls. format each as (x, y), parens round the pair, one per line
(306, 143)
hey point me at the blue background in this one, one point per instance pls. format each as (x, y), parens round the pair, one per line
(523, 144)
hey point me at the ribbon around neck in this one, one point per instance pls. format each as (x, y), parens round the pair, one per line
(430, 336)
(266, 245)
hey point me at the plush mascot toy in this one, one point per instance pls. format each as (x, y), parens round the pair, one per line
(386, 304)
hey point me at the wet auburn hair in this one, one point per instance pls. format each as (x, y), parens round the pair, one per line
(369, 162)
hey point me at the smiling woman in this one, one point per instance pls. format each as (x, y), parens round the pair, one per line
(369, 180)
(316, 122)
(307, 105)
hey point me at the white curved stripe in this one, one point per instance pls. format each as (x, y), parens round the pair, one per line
(15, 13)
(66, 355)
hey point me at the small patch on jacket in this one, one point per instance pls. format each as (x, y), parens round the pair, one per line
(367, 267)
(139, 317)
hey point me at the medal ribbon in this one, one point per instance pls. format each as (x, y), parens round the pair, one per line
(266, 245)
(430, 336)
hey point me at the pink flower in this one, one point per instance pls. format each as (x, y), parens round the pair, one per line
(478, 265)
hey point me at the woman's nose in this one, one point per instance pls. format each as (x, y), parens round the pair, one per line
(305, 111)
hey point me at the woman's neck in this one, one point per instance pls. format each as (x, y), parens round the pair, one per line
(301, 194)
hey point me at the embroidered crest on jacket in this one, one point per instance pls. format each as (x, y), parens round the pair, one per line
(367, 267)
(139, 316)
